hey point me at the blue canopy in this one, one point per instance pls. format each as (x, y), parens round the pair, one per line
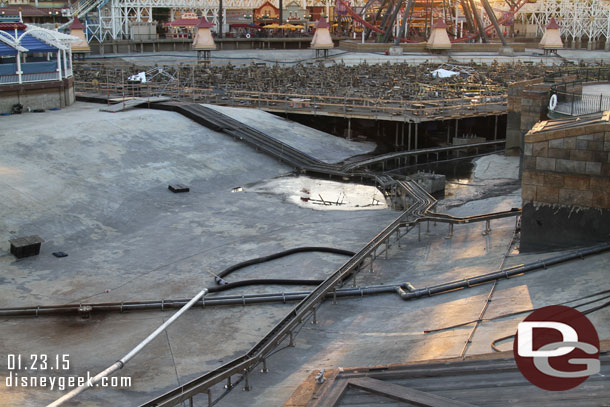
(33, 44)
(7, 49)
(28, 41)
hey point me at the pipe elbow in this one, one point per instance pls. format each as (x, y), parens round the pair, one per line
(402, 293)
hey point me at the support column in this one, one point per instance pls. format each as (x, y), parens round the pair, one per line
(494, 21)
(456, 127)
(402, 136)
(19, 72)
(403, 25)
(478, 21)
(59, 63)
(496, 128)
(449, 132)
(65, 64)
(416, 130)
(220, 12)
(349, 128)
(396, 143)
(409, 138)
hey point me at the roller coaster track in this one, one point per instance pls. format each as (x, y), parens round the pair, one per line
(422, 204)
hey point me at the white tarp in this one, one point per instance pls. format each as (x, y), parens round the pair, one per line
(443, 73)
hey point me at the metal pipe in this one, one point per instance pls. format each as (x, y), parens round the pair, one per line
(123, 361)
(246, 299)
(505, 273)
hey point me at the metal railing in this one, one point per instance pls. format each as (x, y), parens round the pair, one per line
(31, 77)
(599, 74)
(306, 102)
(577, 104)
(9, 79)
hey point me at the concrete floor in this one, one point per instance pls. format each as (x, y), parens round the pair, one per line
(246, 57)
(94, 185)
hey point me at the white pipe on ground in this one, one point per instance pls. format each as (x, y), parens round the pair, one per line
(123, 361)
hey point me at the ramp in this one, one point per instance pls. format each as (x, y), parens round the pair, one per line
(130, 103)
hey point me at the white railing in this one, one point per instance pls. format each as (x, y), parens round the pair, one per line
(40, 77)
(8, 79)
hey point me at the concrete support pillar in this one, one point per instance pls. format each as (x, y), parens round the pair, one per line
(396, 142)
(349, 128)
(409, 139)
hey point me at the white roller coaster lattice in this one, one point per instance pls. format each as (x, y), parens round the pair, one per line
(588, 19)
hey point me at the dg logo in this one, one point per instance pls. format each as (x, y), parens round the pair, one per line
(557, 348)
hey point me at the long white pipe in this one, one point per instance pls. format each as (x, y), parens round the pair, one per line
(123, 361)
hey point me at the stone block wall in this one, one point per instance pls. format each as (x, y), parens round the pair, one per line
(566, 184)
(38, 95)
(515, 129)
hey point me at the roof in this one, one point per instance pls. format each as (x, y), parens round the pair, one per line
(183, 22)
(28, 11)
(203, 23)
(482, 380)
(553, 25)
(322, 23)
(439, 24)
(30, 38)
(6, 49)
(12, 26)
(76, 24)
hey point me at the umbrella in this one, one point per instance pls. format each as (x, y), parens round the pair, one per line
(298, 27)
(274, 25)
(284, 26)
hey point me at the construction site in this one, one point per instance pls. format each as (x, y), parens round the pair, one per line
(363, 216)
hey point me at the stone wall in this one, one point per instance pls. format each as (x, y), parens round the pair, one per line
(527, 105)
(38, 95)
(566, 184)
(514, 128)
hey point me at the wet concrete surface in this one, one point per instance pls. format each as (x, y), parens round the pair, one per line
(97, 189)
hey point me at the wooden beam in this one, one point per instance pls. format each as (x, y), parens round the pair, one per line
(332, 396)
(405, 394)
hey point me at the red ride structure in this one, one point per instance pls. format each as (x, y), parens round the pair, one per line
(416, 17)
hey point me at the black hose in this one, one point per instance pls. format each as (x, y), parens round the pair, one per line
(263, 281)
(219, 279)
